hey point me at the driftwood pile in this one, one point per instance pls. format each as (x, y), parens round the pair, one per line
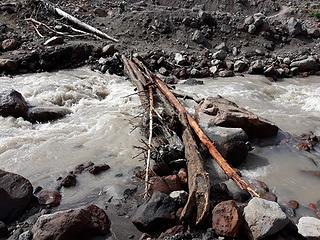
(161, 103)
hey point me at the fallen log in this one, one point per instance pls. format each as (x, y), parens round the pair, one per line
(197, 207)
(77, 22)
(229, 171)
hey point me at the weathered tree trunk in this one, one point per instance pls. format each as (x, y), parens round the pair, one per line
(197, 207)
(77, 22)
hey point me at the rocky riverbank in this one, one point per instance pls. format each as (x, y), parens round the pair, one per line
(194, 39)
(179, 40)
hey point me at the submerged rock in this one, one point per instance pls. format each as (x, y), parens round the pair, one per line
(156, 214)
(16, 194)
(309, 227)
(264, 218)
(49, 198)
(46, 114)
(77, 223)
(97, 169)
(12, 103)
(218, 111)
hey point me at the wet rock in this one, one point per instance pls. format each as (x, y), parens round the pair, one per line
(295, 27)
(220, 55)
(180, 197)
(183, 176)
(12, 103)
(8, 65)
(226, 219)
(72, 224)
(264, 218)
(54, 41)
(226, 73)
(198, 37)
(218, 111)
(69, 181)
(192, 82)
(240, 66)
(83, 167)
(46, 114)
(231, 142)
(293, 204)
(10, 44)
(109, 50)
(3, 230)
(49, 198)
(174, 183)
(158, 184)
(306, 65)
(16, 194)
(156, 214)
(97, 169)
(269, 196)
(309, 227)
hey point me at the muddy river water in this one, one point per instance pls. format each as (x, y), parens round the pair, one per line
(99, 130)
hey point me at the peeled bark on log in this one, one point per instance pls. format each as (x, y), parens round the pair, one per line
(197, 205)
(77, 22)
(229, 171)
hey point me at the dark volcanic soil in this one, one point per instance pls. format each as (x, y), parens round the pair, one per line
(170, 26)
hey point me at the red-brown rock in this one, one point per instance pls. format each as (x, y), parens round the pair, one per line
(226, 219)
(49, 198)
(80, 223)
(97, 169)
(69, 181)
(293, 204)
(183, 175)
(174, 183)
(158, 184)
(10, 44)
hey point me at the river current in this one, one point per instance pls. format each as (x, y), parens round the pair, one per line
(99, 130)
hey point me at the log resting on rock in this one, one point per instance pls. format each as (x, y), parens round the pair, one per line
(224, 113)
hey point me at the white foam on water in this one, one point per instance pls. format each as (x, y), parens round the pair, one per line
(98, 130)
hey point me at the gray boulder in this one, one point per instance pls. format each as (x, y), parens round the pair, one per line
(220, 55)
(180, 59)
(218, 111)
(46, 114)
(240, 66)
(16, 194)
(295, 27)
(309, 227)
(264, 218)
(80, 223)
(12, 103)
(8, 65)
(306, 65)
(156, 214)
(198, 37)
